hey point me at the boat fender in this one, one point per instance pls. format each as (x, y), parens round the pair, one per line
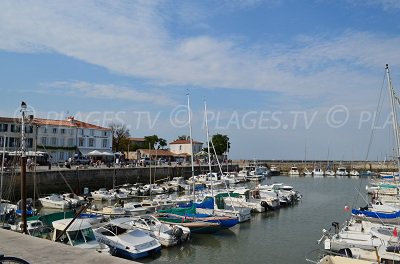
(264, 204)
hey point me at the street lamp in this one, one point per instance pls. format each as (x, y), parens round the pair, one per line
(23, 169)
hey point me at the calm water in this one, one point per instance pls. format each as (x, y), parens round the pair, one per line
(284, 236)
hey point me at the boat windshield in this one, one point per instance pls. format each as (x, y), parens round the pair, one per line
(81, 236)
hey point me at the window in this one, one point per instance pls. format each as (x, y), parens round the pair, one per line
(14, 142)
(53, 141)
(71, 131)
(62, 156)
(29, 142)
(92, 132)
(3, 127)
(70, 142)
(44, 129)
(29, 129)
(105, 133)
(44, 141)
(180, 147)
(62, 142)
(82, 131)
(1, 141)
(15, 128)
(81, 142)
(105, 143)
(54, 130)
(62, 130)
(91, 142)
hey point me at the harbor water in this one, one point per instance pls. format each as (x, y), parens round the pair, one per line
(284, 236)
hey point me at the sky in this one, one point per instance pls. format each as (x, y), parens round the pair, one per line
(283, 79)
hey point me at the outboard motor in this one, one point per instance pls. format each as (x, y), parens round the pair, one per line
(336, 226)
(177, 232)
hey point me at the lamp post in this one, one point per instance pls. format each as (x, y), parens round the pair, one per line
(23, 169)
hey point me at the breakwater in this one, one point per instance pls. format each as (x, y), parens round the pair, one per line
(60, 180)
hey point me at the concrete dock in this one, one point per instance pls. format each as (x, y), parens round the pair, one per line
(37, 250)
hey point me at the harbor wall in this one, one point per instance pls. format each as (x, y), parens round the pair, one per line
(56, 180)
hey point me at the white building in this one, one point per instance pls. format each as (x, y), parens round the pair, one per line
(61, 139)
(183, 147)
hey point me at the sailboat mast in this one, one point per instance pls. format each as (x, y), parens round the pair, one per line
(208, 147)
(191, 139)
(394, 116)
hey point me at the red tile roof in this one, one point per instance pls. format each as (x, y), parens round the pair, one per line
(51, 122)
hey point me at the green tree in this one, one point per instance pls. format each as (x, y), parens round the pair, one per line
(120, 137)
(221, 143)
(183, 137)
(162, 143)
(151, 141)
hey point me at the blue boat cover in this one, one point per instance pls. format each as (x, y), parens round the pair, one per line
(376, 214)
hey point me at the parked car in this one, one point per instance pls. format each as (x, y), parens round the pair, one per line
(81, 161)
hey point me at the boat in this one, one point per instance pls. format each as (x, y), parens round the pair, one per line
(125, 242)
(102, 195)
(317, 172)
(134, 208)
(274, 170)
(34, 228)
(56, 201)
(307, 172)
(168, 235)
(190, 214)
(341, 171)
(354, 172)
(109, 211)
(294, 171)
(79, 233)
(258, 174)
(218, 205)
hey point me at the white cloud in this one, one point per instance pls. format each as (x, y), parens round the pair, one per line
(132, 39)
(106, 91)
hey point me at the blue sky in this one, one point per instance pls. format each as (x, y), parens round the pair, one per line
(278, 76)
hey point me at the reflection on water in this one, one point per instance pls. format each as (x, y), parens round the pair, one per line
(283, 236)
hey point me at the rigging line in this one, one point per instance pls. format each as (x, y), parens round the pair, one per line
(378, 111)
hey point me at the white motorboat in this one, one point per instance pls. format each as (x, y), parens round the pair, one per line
(307, 172)
(126, 242)
(257, 174)
(56, 201)
(110, 211)
(134, 208)
(341, 171)
(78, 234)
(102, 195)
(354, 172)
(168, 235)
(294, 171)
(274, 170)
(318, 172)
(74, 199)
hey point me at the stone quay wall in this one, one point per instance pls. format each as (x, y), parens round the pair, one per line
(56, 180)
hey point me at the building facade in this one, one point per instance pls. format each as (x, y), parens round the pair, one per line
(60, 139)
(183, 147)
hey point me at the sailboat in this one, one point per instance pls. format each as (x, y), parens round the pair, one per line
(189, 217)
